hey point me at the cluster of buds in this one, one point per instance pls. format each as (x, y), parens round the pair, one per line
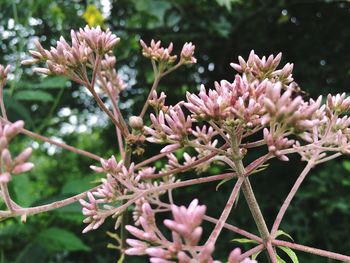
(239, 101)
(185, 231)
(158, 103)
(158, 53)
(276, 143)
(255, 100)
(204, 134)
(109, 80)
(10, 166)
(98, 40)
(214, 105)
(338, 103)
(187, 53)
(264, 68)
(119, 181)
(94, 215)
(293, 112)
(66, 59)
(172, 127)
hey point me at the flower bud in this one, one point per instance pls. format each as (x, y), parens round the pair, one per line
(6, 158)
(136, 122)
(23, 156)
(5, 177)
(22, 168)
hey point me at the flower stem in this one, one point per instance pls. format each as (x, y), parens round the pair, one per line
(225, 213)
(6, 196)
(290, 196)
(59, 144)
(311, 250)
(250, 198)
(2, 105)
(252, 251)
(154, 86)
(45, 208)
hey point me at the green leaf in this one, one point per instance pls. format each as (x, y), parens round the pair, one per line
(222, 27)
(57, 239)
(279, 259)
(290, 253)
(244, 241)
(282, 233)
(34, 95)
(156, 8)
(260, 168)
(221, 183)
(346, 165)
(255, 255)
(55, 82)
(70, 213)
(228, 3)
(23, 190)
(33, 251)
(76, 186)
(18, 108)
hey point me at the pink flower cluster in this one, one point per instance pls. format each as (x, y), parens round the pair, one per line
(109, 80)
(264, 68)
(185, 231)
(155, 52)
(160, 54)
(9, 165)
(71, 60)
(118, 182)
(171, 127)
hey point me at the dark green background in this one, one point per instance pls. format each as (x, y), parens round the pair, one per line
(314, 35)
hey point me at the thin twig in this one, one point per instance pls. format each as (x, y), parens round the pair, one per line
(235, 229)
(154, 86)
(252, 251)
(290, 196)
(2, 105)
(311, 250)
(225, 213)
(59, 144)
(6, 196)
(186, 167)
(45, 208)
(271, 252)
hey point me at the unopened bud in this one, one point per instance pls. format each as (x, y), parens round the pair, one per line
(136, 122)
(23, 156)
(5, 177)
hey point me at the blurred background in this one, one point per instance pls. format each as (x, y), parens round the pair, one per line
(313, 34)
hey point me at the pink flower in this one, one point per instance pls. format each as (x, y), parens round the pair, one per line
(158, 53)
(187, 53)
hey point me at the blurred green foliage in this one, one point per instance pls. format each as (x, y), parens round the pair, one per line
(312, 34)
